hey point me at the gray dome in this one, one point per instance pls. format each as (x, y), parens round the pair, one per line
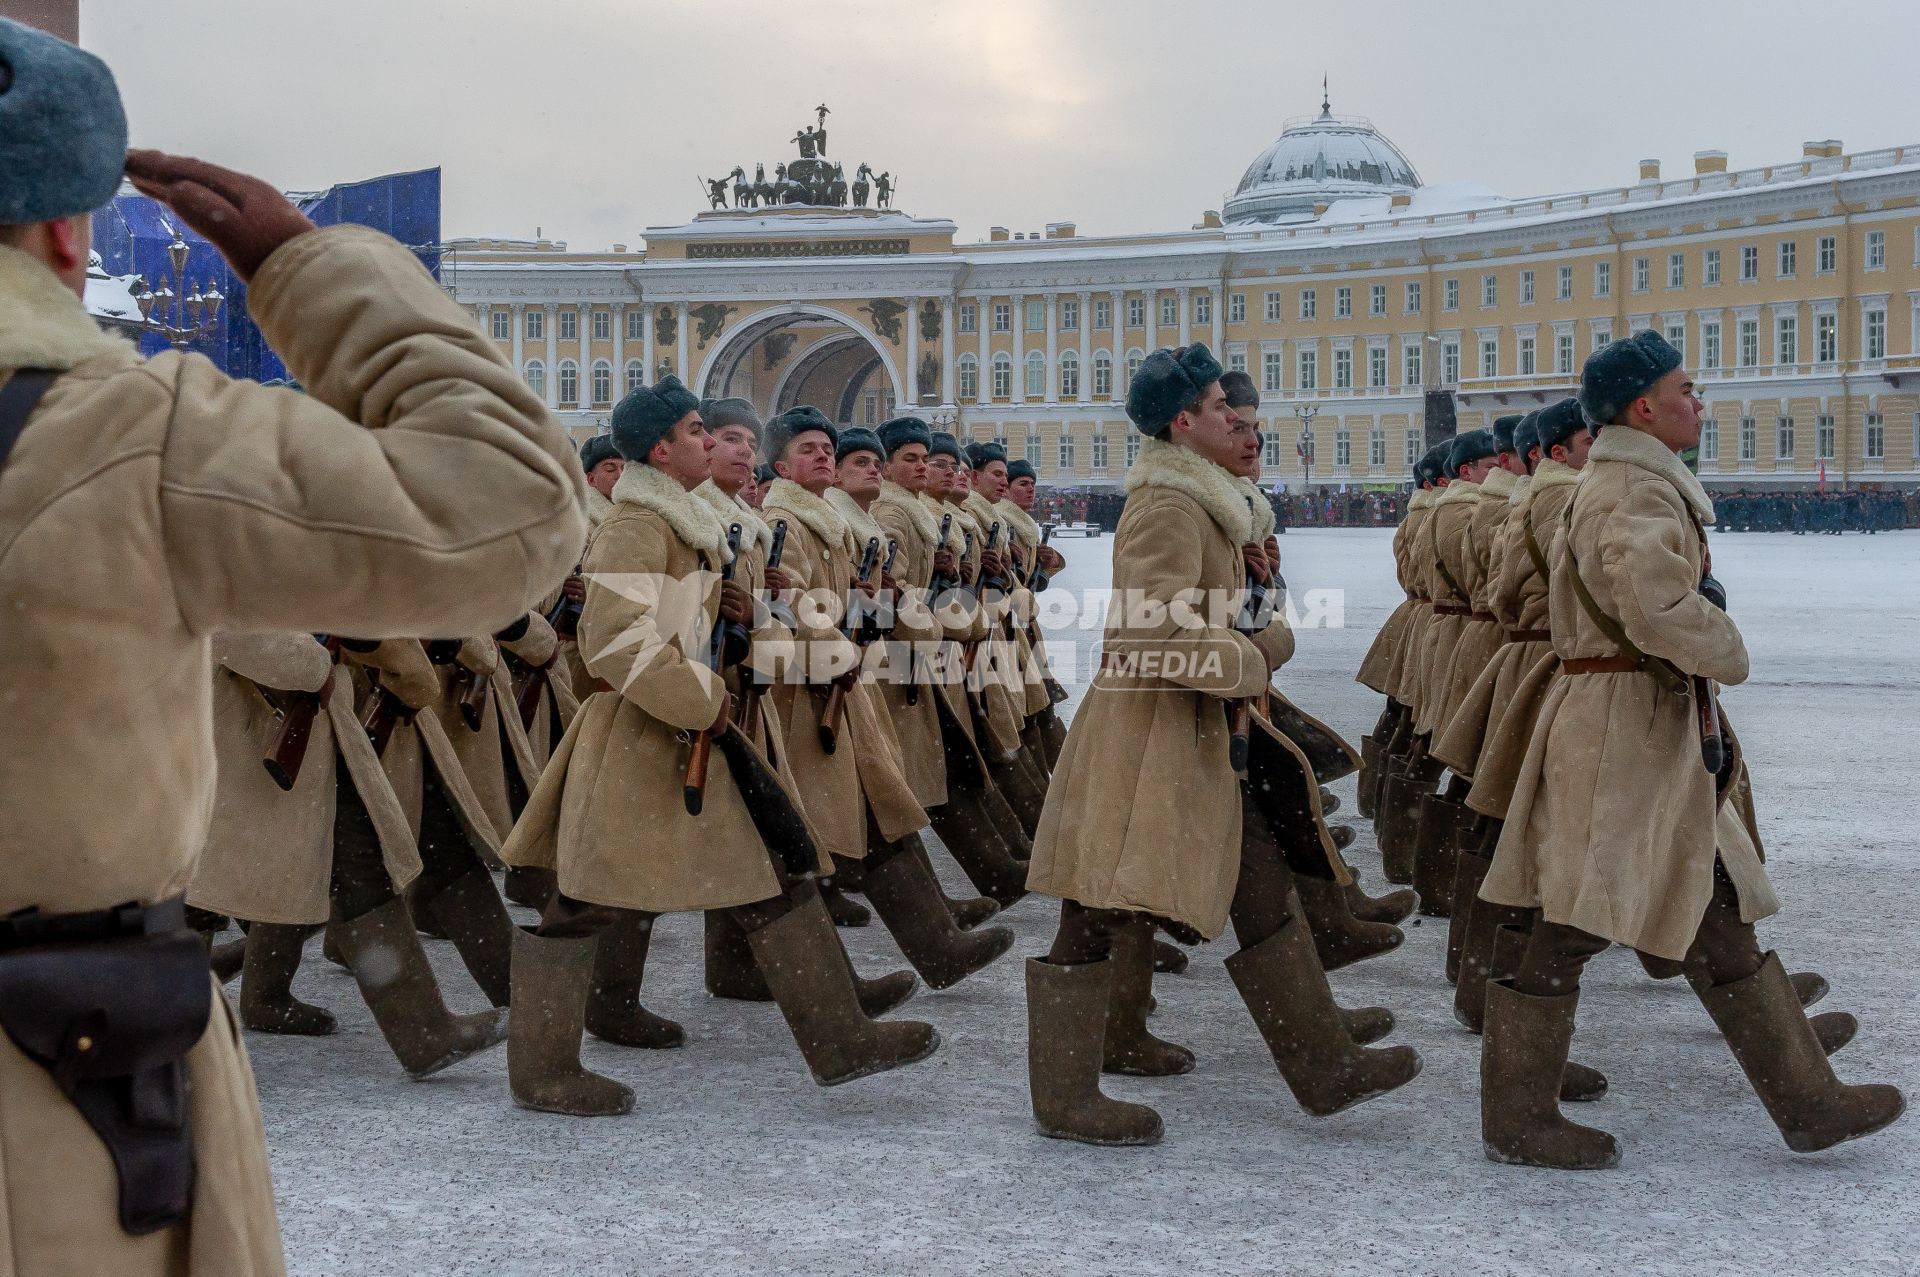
(1317, 160)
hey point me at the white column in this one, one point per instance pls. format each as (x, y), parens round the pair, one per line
(1053, 346)
(619, 350)
(1019, 301)
(912, 378)
(552, 323)
(585, 394)
(1186, 315)
(680, 340)
(1119, 344)
(1152, 311)
(1086, 347)
(519, 328)
(947, 383)
(1220, 320)
(983, 324)
(646, 344)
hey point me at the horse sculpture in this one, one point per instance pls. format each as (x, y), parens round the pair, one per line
(743, 195)
(763, 193)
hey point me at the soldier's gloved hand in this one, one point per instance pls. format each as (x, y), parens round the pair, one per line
(574, 588)
(778, 582)
(992, 565)
(943, 562)
(736, 604)
(1051, 559)
(242, 216)
(1715, 592)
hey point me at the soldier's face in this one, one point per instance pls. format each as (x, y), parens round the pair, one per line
(858, 475)
(1021, 490)
(990, 480)
(962, 484)
(1212, 429)
(1670, 411)
(908, 467)
(1512, 464)
(733, 458)
(808, 461)
(940, 475)
(603, 476)
(1573, 453)
(686, 452)
(1477, 472)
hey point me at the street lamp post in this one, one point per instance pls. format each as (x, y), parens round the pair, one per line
(182, 317)
(1306, 413)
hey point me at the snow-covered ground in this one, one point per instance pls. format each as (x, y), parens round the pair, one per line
(735, 1162)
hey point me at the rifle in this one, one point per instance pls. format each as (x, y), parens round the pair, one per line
(750, 697)
(383, 713)
(849, 628)
(700, 747)
(286, 748)
(529, 683)
(1240, 711)
(564, 615)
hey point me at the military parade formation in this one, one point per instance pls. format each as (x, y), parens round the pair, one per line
(404, 659)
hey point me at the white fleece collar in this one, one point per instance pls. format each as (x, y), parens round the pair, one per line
(691, 519)
(790, 498)
(1422, 499)
(598, 507)
(1165, 465)
(892, 494)
(43, 325)
(1637, 448)
(1263, 520)
(1458, 491)
(1020, 521)
(1552, 474)
(858, 521)
(753, 528)
(1498, 484)
(1522, 485)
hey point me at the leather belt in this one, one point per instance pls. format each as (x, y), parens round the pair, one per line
(1529, 636)
(1451, 609)
(27, 927)
(1484, 616)
(1600, 665)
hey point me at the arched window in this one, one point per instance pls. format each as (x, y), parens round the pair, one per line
(1002, 376)
(537, 378)
(969, 377)
(636, 375)
(1036, 375)
(569, 382)
(1069, 375)
(602, 381)
(1134, 359)
(1102, 375)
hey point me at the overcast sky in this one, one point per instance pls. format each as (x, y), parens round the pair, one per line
(592, 118)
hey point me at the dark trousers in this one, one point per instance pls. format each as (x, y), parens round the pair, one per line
(360, 883)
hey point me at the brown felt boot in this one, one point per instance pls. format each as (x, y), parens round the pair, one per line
(968, 912)
(844, 910)
(1025, 791)
(1129, 1048)
(550, 980)
(969, 835)
(1366, 1024)
(1436, 845)
(1808, 986)
(1169, 958)
(383, 951)
(614, 1013)
(1660, 968)
(267, 1004)
(1763, 1022)
(1066, 1033)
(811, 982)
(1400, 817)
(1578, 1082)
(1284, 987)
(732, 971)
(909, 903)
(226, 958)
(1392, 908)
(526, 885)
(1369, 782)
(1338, 937)
(473, 916)
(1469, 871)
(1522, 1060)
(1496, 940)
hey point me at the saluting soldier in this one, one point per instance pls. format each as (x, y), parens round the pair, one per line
(1625, 824)
(191, 505)
(613, 813)
(1147, 822)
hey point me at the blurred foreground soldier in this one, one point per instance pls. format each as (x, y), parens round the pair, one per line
(416, 483)
(656, 802)
(1147, 822)
(1624, 826)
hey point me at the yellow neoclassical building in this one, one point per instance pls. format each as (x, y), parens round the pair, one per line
(1366, 304)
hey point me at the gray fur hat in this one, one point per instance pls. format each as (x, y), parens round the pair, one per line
(793, 423)
(1558, 423)
(858, 439)
(595, 450)
(1468, 447)
(648, 414)
(901, 431)
(63, 132)
(1168, 381)
(1620, 372)
(720, 413)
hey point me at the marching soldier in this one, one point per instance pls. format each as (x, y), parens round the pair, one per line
(1147, 822)
(1382, 667)
(1624, 825)
(1037, 562)
(191, 505)
(655, 802)
(602, 466)
(841, 743)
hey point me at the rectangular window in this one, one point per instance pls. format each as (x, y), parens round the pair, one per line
(1273, 308)
(1036, 375)
(1450, 363)
(1002, 317)
(1826, 338)
(969, 379)
(1489, 357)
(500, 324)
(969, 317)
(1676, 270)
(1099, 450)
(1786, 340)
(1270, 450)
(1710, 344)
(1677, 338)
(1411, 452)
(602, 325)
(1377, 446)
(569, 325)
(1450, 295)
(1749, 343)
(1070, 317)
(536, 325)
(1003, 380)
(1823, 438)
(1309, 303)
(1169, 312)
(1236, 308)
(1563, 353)
(1876, 440)
(1342, 448)
(1709, 439)
(1410, 365)
(1236, 361)
(1783, 439)
(1789, 258)
(1103, 314)
(1642, 275)
(870, 406)
(1343, 370)
(1377, 300)
(1066, 449)
(1873, 340)
(1827, 252)
(1376, 366)
(1033, 448)
(1343, 303)
(636, 325)
(1489, 291)
(1602, 335)
(1749, 437)
(1526, 357)
(1876, 250)
(1309, 378)
(1136, 312)
(1749, 263)
(1069, 376)
(1710, 267)
(1203, 308)
(1603, 279)
(1133, 446)
(1102, 377)
(1036, 315)
(1413, 298)
(1563, 284)
(1526, 288)
(1270, 365)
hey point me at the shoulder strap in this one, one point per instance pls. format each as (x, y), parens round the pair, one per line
(1665, 675)
(1447, 576)
(18, 398)
(1533, 547)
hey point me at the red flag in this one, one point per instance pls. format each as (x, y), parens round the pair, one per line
(1823, 478)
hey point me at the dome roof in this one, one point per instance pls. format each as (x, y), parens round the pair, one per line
(1317, 160)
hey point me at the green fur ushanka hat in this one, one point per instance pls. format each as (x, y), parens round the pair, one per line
(1558, 422)
(595, 450)
(1168, 382)
(858, 439)
(1472, 446)
(946, 444)
(648, 414)
(721, 413)
(793, 423)
(901, 431)
(1526, 436)
(983, 454)
(1620, 372)
(1021, 469)
(1503, 428)
(63, 131)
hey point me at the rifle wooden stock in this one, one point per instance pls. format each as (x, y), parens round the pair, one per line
(830, 713)
(699, 752)
(286, 747)
(383, 713)
(473, 698)
(528, 686)
(1240, 721)
(1713, 747)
